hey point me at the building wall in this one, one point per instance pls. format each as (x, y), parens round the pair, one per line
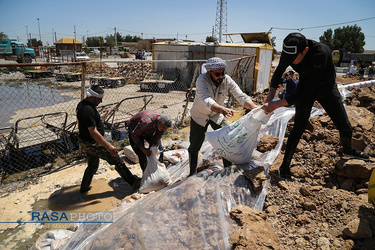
(202, 51)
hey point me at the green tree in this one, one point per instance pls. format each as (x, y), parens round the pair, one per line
(34, 41)
(3, 36)
(210, 39)
(327, 38)
(129, 38)
(94, 41)
(136, 38)
(120, 38)
(110, 40)
(348, 37)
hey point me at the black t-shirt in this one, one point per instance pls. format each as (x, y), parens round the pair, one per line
(88, 116)
(316, 73)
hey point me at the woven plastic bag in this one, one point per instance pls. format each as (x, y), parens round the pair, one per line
(156, 176)
(237, 141)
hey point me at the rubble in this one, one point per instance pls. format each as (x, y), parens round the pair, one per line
(325, 206)
(132, 71)
(255, 231)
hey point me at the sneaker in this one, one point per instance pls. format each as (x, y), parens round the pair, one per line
(357, 153)
(285, 173)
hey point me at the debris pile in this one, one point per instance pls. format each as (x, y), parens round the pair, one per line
(129, 70)
(325, 206)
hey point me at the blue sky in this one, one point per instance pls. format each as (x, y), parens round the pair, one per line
(193, 19)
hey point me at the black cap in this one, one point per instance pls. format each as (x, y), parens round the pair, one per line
(293, 44)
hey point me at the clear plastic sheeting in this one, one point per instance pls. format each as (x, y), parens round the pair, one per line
(192, 213)
(276, 126)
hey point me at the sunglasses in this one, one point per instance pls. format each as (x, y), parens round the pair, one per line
(217, 74)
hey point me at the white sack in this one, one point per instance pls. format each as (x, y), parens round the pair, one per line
(176, 156)
(156, 175)
(237, 141)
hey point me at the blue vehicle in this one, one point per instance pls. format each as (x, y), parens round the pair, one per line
(16, 51)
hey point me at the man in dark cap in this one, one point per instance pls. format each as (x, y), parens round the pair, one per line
(313, 61)
(91, 131)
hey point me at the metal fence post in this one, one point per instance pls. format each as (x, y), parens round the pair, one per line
(83, 81)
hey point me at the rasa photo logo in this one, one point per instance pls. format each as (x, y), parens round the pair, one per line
(72, 216)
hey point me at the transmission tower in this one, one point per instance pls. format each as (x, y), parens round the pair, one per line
(221, 19)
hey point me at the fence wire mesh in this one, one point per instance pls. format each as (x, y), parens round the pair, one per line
(38, 101)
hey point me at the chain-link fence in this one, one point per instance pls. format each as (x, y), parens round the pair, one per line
(38, 101)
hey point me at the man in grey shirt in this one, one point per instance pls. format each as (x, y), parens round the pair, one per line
(212, 88)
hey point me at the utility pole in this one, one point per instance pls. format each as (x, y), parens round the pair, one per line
(116, 41)
(27, 37)
(40, 37)
(53, 41)
(74, 40)
(221, 19)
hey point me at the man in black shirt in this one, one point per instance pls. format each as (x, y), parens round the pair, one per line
(313, 61)
(91, 131)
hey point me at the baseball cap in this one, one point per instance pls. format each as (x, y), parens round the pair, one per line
(293, 44)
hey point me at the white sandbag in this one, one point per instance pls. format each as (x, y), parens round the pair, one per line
(237, 141)
(156, 176)
(177, 155)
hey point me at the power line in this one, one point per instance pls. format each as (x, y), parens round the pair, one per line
(321, 26)
(158, 34)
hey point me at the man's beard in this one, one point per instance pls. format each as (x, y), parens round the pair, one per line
(218, 81)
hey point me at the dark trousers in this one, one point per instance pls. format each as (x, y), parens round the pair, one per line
(141, 156)
(333, 105)
(197, 135)
(96, 152)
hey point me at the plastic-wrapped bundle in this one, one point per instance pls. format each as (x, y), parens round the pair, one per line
(191, 214)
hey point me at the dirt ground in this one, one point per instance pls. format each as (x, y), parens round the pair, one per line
(324, 207)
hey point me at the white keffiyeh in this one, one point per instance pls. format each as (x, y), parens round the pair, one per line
(214, 63)
(90, 92)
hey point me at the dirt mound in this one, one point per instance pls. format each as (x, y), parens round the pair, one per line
(325, 206)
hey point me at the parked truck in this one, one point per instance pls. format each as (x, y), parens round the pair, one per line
(342, 58)
(16, 51)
